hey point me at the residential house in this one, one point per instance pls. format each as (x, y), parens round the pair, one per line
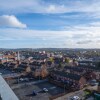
(68, 79)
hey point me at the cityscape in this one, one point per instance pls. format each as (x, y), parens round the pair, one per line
(50, 50)
(51, 74)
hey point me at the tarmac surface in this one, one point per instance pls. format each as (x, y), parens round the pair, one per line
(25, 92)
(4, 71)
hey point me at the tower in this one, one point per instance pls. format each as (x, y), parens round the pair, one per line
(18, 56)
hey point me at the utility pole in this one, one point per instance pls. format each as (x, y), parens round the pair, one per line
(64, 88)
(39, 77)
(18, 79)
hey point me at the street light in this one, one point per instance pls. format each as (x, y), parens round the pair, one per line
(64, 88)
(18, 79)
(39, 77)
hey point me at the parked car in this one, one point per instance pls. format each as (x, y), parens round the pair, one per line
(93, 82)
(75, 98)
(13, 71)
(34, 93)
(23, 79)
(45, 89)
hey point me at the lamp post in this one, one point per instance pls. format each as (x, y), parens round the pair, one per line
(64, 88)
(39, 77)
(18, 79)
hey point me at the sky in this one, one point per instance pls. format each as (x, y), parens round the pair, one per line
(49, 23)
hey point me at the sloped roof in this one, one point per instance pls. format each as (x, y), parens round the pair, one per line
(5, 91)
(68, 75)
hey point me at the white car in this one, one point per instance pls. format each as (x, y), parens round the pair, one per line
(24, 79)
(21, 79)
(75, 98)
(45, 89)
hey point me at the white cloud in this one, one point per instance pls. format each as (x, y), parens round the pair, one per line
(84, 41)
(11, 21)
(51, 8)
(74, 36)
(88, 37)
(95, 24)
(55, 9)
(43, 6)
(84, 36)
(23, 34)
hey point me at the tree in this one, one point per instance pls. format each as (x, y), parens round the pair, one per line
(67, 60)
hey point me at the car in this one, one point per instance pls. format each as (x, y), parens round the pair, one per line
(75, 98)
(45, 89)
(12, 71)
(93, 83)
(34, 93)
(24, 79)
(21, 79)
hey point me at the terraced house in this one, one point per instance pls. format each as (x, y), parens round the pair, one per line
(73, 81)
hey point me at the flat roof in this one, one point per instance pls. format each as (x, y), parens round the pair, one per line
(5, 91)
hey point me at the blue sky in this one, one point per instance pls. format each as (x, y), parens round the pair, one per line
(49, 23)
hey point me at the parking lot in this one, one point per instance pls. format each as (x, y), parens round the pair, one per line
(4, 71)
(52, 89)
(25, 92)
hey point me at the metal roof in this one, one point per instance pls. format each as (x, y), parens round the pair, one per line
(5, 91)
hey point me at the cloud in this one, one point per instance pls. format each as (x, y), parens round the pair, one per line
(90, 30)
(69, 38)
(95, 24)
(76, 33)
(55, 9)
(76, 21)
(11, 21)
(49, 6)
(26, 34)
(84, 42)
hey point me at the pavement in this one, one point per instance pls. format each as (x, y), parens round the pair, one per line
(27, 83)
(24, 92)
(52, 89)
(11, 75)
(91, 98)
(68, 96)
(4, 71)
(79, 93)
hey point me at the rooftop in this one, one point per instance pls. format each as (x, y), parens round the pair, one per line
(68, 75)
(5, 91)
